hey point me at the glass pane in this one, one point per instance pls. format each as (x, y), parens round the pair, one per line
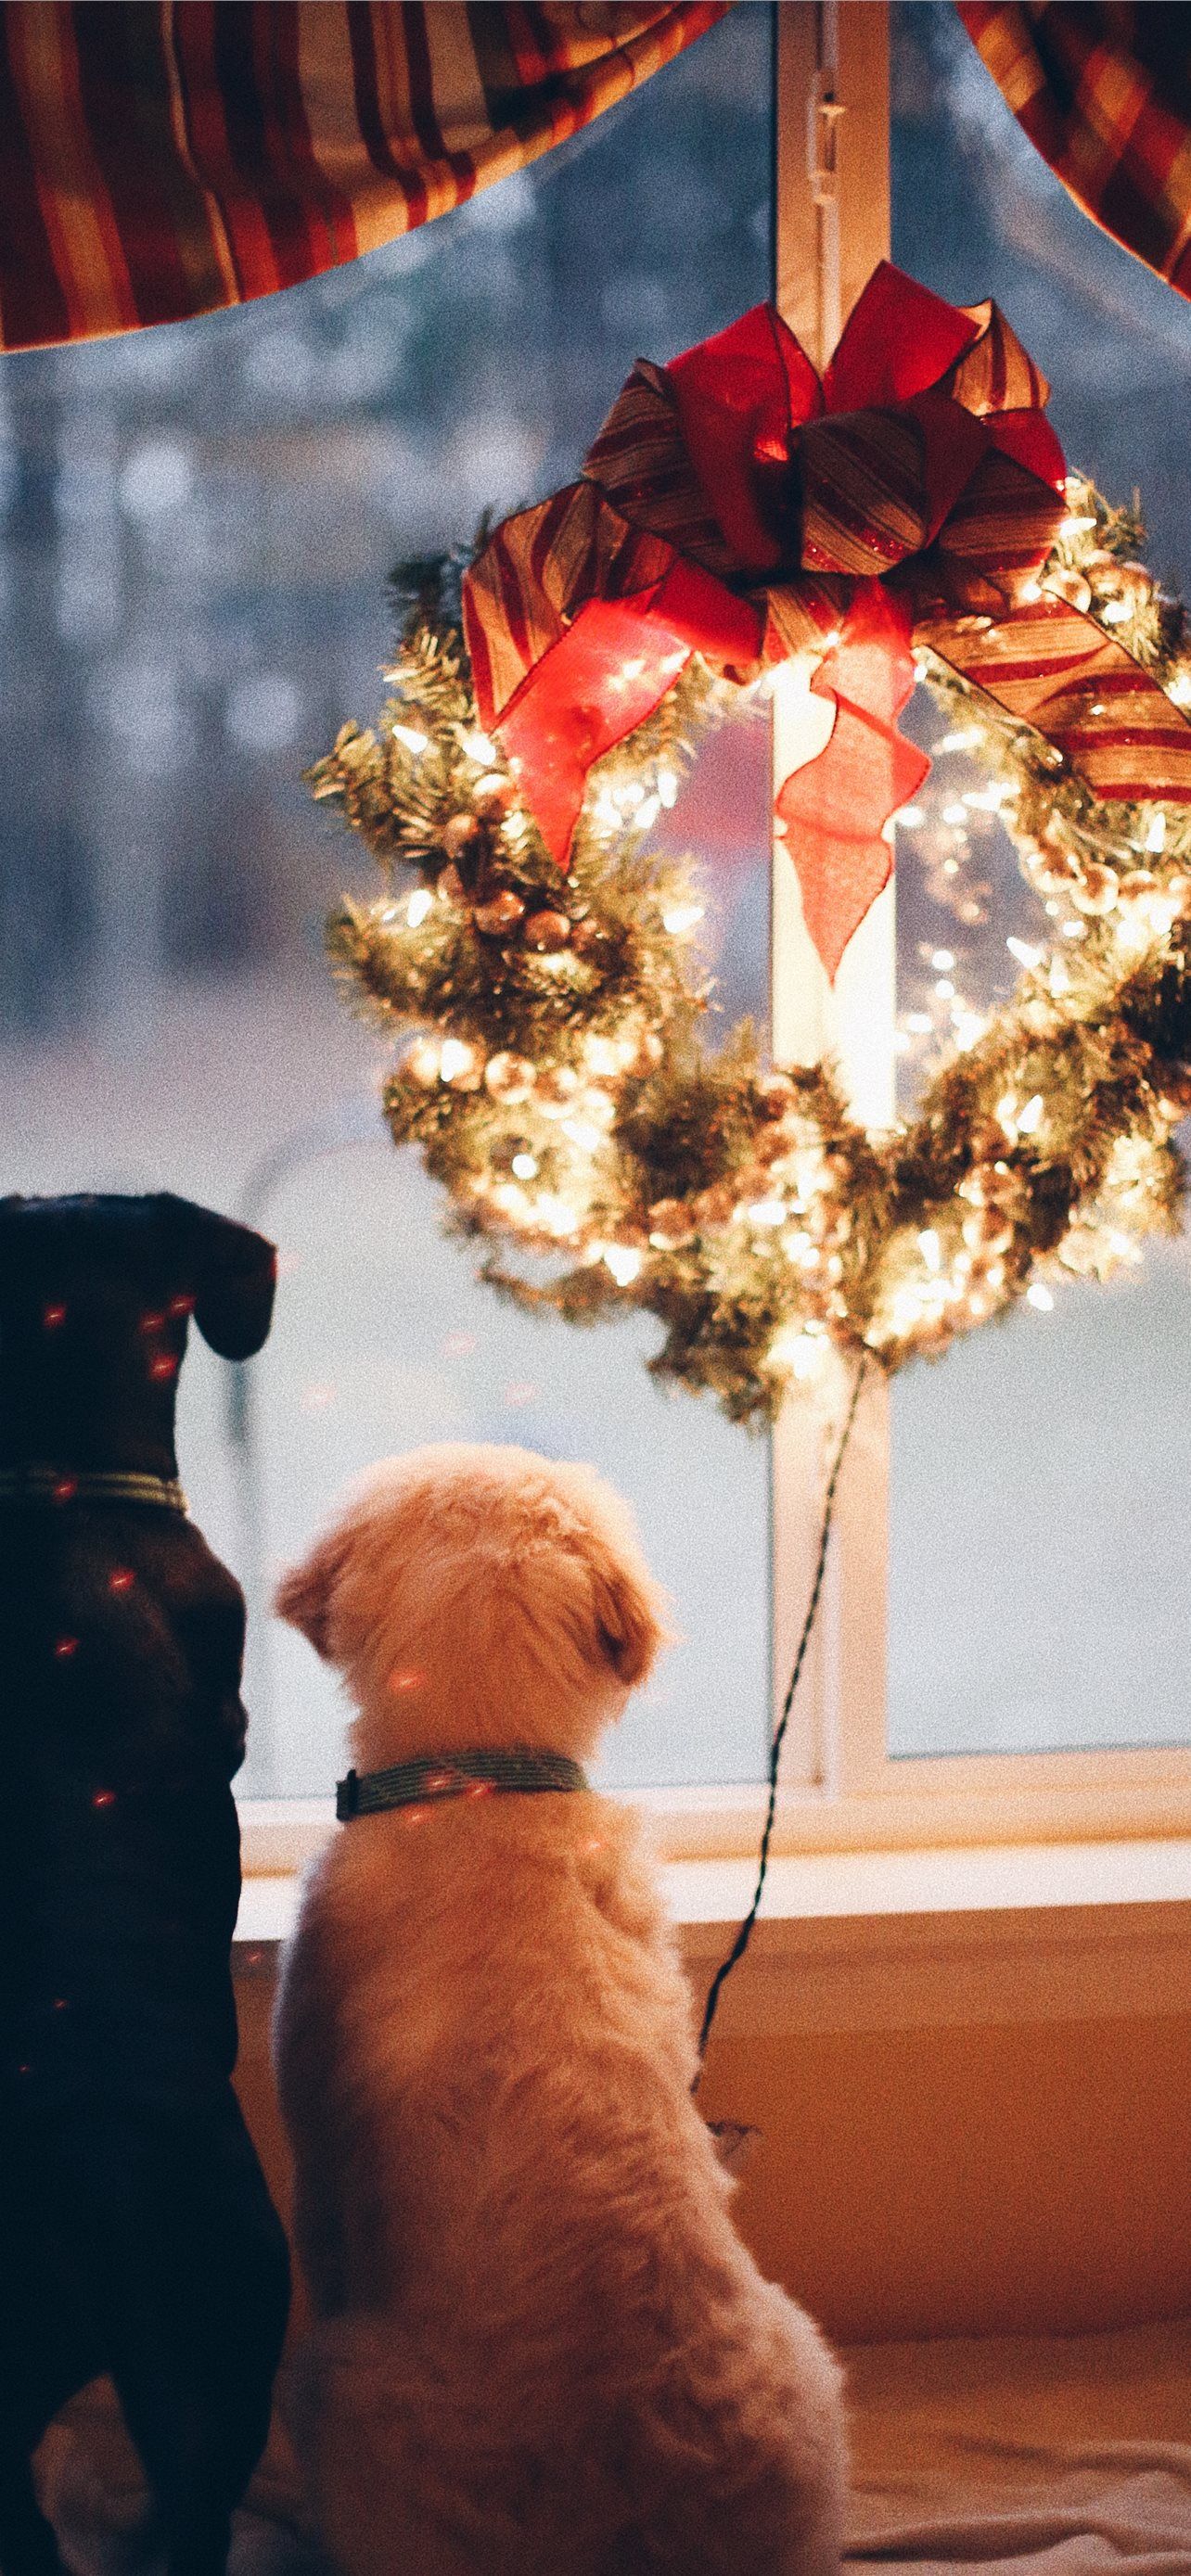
(197, 523)
(1040, 1527)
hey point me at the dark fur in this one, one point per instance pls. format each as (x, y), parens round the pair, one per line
(137, 2236)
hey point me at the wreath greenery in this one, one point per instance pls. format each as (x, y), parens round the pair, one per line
(562, 1091)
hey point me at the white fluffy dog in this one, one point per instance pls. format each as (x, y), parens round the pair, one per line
(539, 2347)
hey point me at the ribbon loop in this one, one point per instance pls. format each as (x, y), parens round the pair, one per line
(733, 506)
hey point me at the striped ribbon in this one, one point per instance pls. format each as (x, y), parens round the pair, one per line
(162, 158)
(734, 506)
(1104, 93)
(434, 1776)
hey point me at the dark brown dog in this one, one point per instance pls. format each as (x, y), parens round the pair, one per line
(137, 2236)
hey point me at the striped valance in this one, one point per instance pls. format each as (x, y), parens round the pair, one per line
(162, 158)
(1104, 91)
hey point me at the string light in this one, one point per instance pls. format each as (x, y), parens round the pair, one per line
(562, 1095)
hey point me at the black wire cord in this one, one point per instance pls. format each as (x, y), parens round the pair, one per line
(745, 1934)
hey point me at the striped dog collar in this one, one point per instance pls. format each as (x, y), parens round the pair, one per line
(89, 1485)
(435, 1776)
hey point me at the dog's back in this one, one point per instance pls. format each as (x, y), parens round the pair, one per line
(540, 2332)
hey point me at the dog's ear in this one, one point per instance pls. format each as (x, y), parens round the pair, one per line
(305, 1592)
(628, 1624)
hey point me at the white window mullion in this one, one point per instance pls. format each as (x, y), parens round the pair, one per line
(832, 228)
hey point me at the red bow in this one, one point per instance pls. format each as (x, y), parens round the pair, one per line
(733, 506)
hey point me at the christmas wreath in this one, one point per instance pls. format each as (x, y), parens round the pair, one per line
(910, 516)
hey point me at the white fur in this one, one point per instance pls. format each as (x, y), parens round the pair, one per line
(540, 2348)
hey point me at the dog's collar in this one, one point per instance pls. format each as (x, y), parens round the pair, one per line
(38, 1484)
(433, 1776)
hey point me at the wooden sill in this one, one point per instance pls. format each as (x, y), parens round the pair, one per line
(898, 1940)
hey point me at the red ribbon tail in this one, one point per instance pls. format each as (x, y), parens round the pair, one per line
(835, 810)
(617, 660)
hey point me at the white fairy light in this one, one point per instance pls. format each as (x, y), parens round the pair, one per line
(1179, 688)
(930, 1248)
(1156, 835)
(964, 739)
(799, 1351)
(607, 1056)
(955, 814)
(1030, 1118)
(1133, 932)
(1040, 1296)
(479, 748)
(667, 786)
(943, 960)
(1114, 612)
(623, 1262)
(766, 1212)
(456, 1057)
(910, 818)
(1025, 955)
(681, 917)
(583, 1134)
(414, 741)
(418, 906)
(945, 989)
(525, 1166)
(553, 1214)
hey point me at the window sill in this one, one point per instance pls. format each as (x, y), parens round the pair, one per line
(820, 1886)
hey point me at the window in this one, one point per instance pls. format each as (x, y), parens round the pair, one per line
(998, 1647)
(196, 526)
(1039, 1539)
(198, 523)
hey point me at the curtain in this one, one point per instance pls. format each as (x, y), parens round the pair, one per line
(162, 158)
(1105, 93)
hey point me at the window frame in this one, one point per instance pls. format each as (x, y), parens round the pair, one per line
(842, 1790)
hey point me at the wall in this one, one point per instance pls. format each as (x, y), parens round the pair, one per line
(969, 2123)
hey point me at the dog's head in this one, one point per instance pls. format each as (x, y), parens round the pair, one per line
(479, 1596)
